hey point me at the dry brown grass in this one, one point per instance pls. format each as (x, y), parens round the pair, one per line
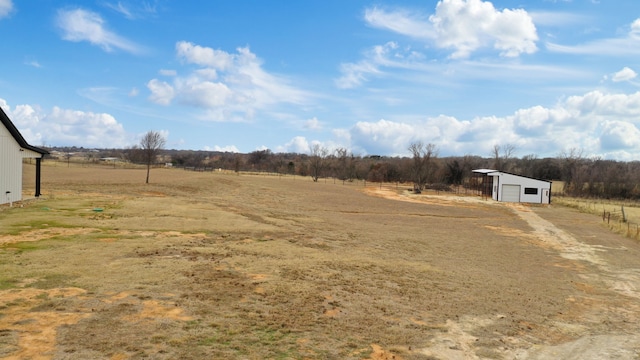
(210, 265)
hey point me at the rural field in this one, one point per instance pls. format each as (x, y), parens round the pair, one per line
(223, 266)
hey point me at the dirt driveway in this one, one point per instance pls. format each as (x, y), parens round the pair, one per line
(604, 317)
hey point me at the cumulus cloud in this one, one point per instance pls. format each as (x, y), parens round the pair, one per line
(83, 25)
(227, 148)
(617, 135)
(227, 86)
(161, 92)
(602, 124)
(298, 144)
(625, 74)
(461, 26)
(313, 124)
(464, 26)
(467, 25)
(65, 127)
(6, 7)
(204, 56)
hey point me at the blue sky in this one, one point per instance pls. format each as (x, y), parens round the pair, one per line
(371, 76)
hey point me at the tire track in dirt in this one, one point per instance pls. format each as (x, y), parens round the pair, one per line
(457, 342)
(621, 281)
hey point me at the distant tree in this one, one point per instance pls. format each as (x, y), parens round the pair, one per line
(317, 161)
(150, 145)
(454, 172)
(421, 166)
(502, 156)
(260, 159)
(237, 163)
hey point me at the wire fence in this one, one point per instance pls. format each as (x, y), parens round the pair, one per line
(622, 216)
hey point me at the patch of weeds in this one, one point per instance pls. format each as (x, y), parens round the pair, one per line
(50, 305)
(7, 284)
(52, 281)
(487, 353)
(16, 302)
(37, 224)
(8, 342)
(21, 247)
(211, 341)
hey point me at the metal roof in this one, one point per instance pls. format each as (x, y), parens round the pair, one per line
(484, 171)
(497, 173)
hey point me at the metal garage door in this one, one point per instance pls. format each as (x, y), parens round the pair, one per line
(511, 193)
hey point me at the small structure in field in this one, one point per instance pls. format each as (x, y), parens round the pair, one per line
(13, 149)
(507, 187)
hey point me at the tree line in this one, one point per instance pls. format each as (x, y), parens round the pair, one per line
(424, 168)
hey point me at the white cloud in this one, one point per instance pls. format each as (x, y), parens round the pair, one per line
(67, 127)
(228, 148)
(134, 92)
(133, 10)
(161, 92)
(313, 124)
(618, 135)
(227, 86)
(6, 7)
(467, 25)
(401, 21)
(167, 72)
(122, 9)
(602, 124)
(298, 144)
(83, 25)
(625, 74)
(464, 26)
(33, 63)
(200, 93)
(625, 45)
(204, 56)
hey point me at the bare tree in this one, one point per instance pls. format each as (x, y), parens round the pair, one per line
(502, 156)
(150, 145)
(421, 167)
(317, 161)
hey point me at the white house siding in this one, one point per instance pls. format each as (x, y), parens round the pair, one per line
(10, 167)
(510, 181)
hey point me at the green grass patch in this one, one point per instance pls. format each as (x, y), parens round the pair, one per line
(52, 281)
(25, 246)
(36, 224)
(7, 284)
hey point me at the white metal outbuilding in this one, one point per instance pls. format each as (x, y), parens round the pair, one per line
(14, 148)
(509, 187)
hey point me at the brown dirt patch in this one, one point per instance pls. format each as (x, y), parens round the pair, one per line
(42, 234)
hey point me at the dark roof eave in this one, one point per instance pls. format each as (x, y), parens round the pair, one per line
(17, 136)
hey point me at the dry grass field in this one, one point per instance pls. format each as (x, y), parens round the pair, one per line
(225, 266)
